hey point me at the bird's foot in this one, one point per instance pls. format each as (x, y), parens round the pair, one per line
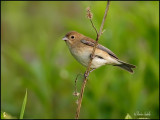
(92, 56)
(86, 74)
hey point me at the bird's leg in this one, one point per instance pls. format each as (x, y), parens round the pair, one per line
(86, 74)
(92, 70)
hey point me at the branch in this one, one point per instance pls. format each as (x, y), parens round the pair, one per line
(89, 15)
(104, 18)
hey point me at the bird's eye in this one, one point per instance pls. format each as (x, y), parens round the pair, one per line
(72, 37)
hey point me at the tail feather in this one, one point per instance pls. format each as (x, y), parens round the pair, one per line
(125, 66)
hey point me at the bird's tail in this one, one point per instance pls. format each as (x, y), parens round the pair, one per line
(125, 66)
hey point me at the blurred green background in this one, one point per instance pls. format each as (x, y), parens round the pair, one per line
(34, 56)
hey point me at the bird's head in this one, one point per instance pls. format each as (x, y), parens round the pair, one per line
(72, 37)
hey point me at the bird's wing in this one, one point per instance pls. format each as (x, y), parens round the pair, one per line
(92, 43)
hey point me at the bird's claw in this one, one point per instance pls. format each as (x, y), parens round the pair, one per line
(86, 74)
(92, 56)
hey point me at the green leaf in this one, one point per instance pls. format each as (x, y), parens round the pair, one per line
(128, 116)
(23, 106)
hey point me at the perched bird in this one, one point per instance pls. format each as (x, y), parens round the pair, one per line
(81, 48)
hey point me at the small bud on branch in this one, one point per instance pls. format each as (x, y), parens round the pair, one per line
(89, 14)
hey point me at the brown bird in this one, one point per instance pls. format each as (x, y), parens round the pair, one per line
(81, 48)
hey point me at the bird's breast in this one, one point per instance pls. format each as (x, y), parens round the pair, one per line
(83, 56)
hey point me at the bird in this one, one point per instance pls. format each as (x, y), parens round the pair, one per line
(81, 48)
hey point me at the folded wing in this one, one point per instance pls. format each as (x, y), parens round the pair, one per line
(92, 43)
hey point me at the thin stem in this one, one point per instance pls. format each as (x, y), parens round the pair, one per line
(93, 26)
(104, 18)
(75, 92)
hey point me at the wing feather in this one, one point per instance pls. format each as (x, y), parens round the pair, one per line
(92, 43)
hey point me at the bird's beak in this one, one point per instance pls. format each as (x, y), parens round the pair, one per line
(65, 39)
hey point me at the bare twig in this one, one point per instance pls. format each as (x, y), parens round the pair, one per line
(104, 18)
(90, 62)
(94, 27)
(75, 92)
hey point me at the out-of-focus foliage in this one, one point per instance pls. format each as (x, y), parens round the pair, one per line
(34, 56)
(128, 116)
(5, 115)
